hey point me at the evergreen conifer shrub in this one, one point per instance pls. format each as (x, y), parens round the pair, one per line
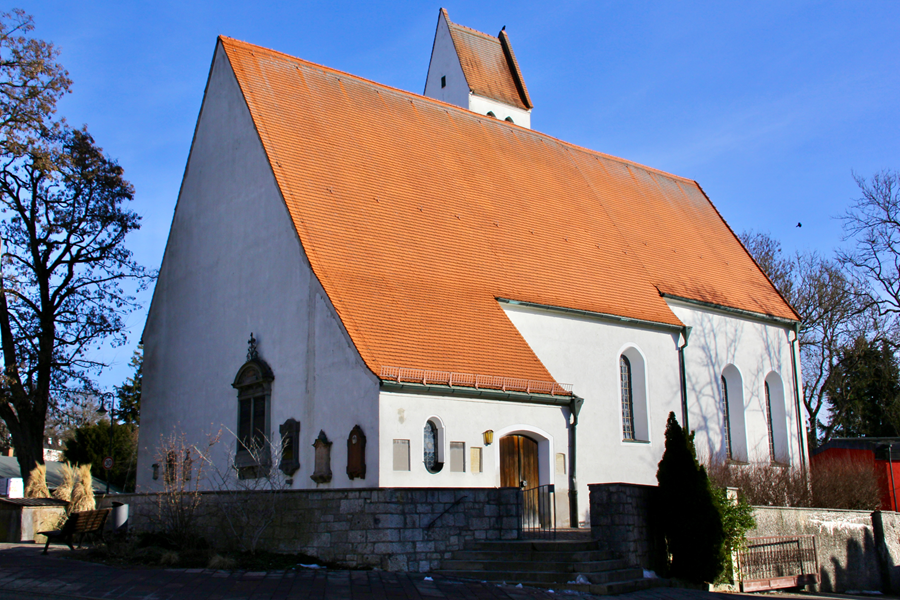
(687, 511)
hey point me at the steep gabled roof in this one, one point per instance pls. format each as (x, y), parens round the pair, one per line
(417, 215)
(489, 65)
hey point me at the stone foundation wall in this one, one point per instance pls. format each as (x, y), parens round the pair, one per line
(396, 529)
(856, 550)
(621, 521)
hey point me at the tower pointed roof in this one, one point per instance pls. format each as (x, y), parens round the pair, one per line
(489, 64)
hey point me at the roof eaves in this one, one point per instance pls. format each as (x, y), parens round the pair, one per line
(514, 68)
(774, 287)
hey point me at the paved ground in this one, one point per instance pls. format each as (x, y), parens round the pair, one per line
(26, 574)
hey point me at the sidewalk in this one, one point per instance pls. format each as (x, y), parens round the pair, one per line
(23, 570)
(25, 573)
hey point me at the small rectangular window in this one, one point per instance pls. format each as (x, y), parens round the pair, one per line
(561, 463)
(475, 460)
(457, 457)
(443, 81)
(401, 455)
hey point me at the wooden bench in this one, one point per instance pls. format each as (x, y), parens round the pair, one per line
(78, 523)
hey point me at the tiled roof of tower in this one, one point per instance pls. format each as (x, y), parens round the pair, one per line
(417, 215)
(491, 69)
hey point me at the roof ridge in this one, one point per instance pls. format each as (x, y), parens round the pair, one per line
(472, 31)
(459, 109)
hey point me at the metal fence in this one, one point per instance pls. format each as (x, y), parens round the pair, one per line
(539, 512)
(767, 563)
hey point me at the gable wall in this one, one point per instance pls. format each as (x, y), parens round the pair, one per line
(234, 265)
(445, 62)
(585, 351)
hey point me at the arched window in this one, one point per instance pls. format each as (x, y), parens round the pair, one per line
(509, 119)
(253, 383)
(776, 419)
(633, 396)
(726, 432)
(627, 399)
(734, 430)
(769, 421)
(433, 454)
(491, 114)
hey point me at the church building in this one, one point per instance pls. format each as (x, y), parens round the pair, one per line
(403, 290)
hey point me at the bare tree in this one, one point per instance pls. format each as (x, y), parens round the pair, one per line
(872, 224)
(64, 260)
(828, 302)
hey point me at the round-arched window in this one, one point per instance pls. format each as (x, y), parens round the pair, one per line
(432, 464)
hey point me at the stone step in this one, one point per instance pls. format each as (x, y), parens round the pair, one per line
(539, 545)
(461, 563)
(561, 534)
(529, 577)
(524, 554)
(617, 587)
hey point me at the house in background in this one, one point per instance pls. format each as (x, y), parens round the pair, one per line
(881, 454)
(439, 296)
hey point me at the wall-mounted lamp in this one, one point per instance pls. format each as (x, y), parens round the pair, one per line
(488, 437)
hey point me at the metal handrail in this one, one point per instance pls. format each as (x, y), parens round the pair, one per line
(539, 511)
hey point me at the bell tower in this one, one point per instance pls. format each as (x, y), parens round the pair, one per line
(478, 72)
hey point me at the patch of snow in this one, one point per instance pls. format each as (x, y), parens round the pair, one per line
(312, 566)
(650, 575)
(428, 579)
(832, 525)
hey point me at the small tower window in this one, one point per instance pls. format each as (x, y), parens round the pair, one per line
(443, 81)
(491, 114)
(509, 119)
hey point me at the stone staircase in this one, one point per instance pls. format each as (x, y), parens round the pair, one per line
(549, 564)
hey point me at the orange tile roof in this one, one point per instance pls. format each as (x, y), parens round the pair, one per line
(489, 65)
(416, 215)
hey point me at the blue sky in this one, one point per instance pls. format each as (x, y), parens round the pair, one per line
(770, 106)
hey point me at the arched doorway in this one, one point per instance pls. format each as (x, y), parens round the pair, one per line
(519, 462)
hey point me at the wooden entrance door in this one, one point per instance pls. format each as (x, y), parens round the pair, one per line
(519, 462)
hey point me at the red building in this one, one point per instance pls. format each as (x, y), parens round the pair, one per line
(883, 454)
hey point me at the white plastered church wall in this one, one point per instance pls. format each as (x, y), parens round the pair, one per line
(234, 264)
(756, 349)
(585, 351)
(403, 417)
(483, 106)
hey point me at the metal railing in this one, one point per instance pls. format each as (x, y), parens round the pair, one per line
(539, 512)
(768, 563)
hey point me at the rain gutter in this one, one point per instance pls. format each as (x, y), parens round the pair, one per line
(748, 314)
(685, 335)
(801, 432)
(596, 315)
(564, 400)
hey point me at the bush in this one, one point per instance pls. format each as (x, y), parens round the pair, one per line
(763, 484)
(841, 483)
(737, 520)
(688, 512)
